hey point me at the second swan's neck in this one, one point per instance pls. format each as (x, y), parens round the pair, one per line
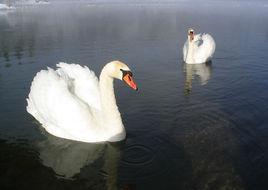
(190, 52)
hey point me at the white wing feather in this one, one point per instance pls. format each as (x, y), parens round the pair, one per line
(205, 48)
(85, 83)
(54, 103)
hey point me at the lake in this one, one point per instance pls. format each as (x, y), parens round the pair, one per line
(189, 127)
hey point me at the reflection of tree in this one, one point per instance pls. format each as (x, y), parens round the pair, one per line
(6, 54)
(31, 46)
(14, 40)
(31, 40)
(19, 48)
(5, 50)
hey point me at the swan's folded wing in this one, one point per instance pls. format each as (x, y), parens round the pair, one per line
(85, 83)
(205, 48)
(54, 106)
(197, 38)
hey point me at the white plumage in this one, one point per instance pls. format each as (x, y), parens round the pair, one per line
(198, 48)
(70, 102)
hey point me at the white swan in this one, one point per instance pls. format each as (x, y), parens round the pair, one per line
(6, 7)
(71, 103)
(198, 48)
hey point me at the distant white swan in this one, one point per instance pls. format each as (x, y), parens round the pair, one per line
(32, 2)
(6, 7)
(72, 103)
(198, 48)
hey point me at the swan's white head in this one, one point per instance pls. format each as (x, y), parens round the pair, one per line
(121, 71)
(190, 34)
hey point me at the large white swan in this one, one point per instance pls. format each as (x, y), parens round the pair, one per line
(72, 103)
(198, 48)
(6, 7)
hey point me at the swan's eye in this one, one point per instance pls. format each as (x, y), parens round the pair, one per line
(126, 72)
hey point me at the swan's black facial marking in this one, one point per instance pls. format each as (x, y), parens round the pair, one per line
(127, 78)
(125, 73)
(191, 35)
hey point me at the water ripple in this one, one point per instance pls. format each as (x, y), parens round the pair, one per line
(138, 154)
(152, 157)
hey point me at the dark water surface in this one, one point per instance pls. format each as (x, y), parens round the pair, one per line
(189, 127)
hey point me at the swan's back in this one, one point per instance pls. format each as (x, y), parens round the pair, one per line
(205, 48)
(85, 83)
(64, 101)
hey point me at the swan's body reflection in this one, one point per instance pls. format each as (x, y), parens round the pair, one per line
(200, 71)
(77, 160)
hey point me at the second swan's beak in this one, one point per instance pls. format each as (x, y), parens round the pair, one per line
(129, 80)
(191, 34)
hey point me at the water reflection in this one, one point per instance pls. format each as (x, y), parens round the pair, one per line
(200, 71)
(148, 159)
(77, 160)
(17, 38)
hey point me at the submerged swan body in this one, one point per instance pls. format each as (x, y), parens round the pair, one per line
(70, 102)
(198, 48)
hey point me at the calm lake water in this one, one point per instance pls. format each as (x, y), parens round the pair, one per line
(202, 127)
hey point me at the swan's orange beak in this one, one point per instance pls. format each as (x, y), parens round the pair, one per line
(129, 80)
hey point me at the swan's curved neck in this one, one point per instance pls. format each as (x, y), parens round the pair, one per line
(108, 103)
(190, 52)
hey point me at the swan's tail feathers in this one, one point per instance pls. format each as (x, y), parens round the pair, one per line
(206, 49)
(85, 83)
(31, 108)
(210, 44)
(39, 83)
